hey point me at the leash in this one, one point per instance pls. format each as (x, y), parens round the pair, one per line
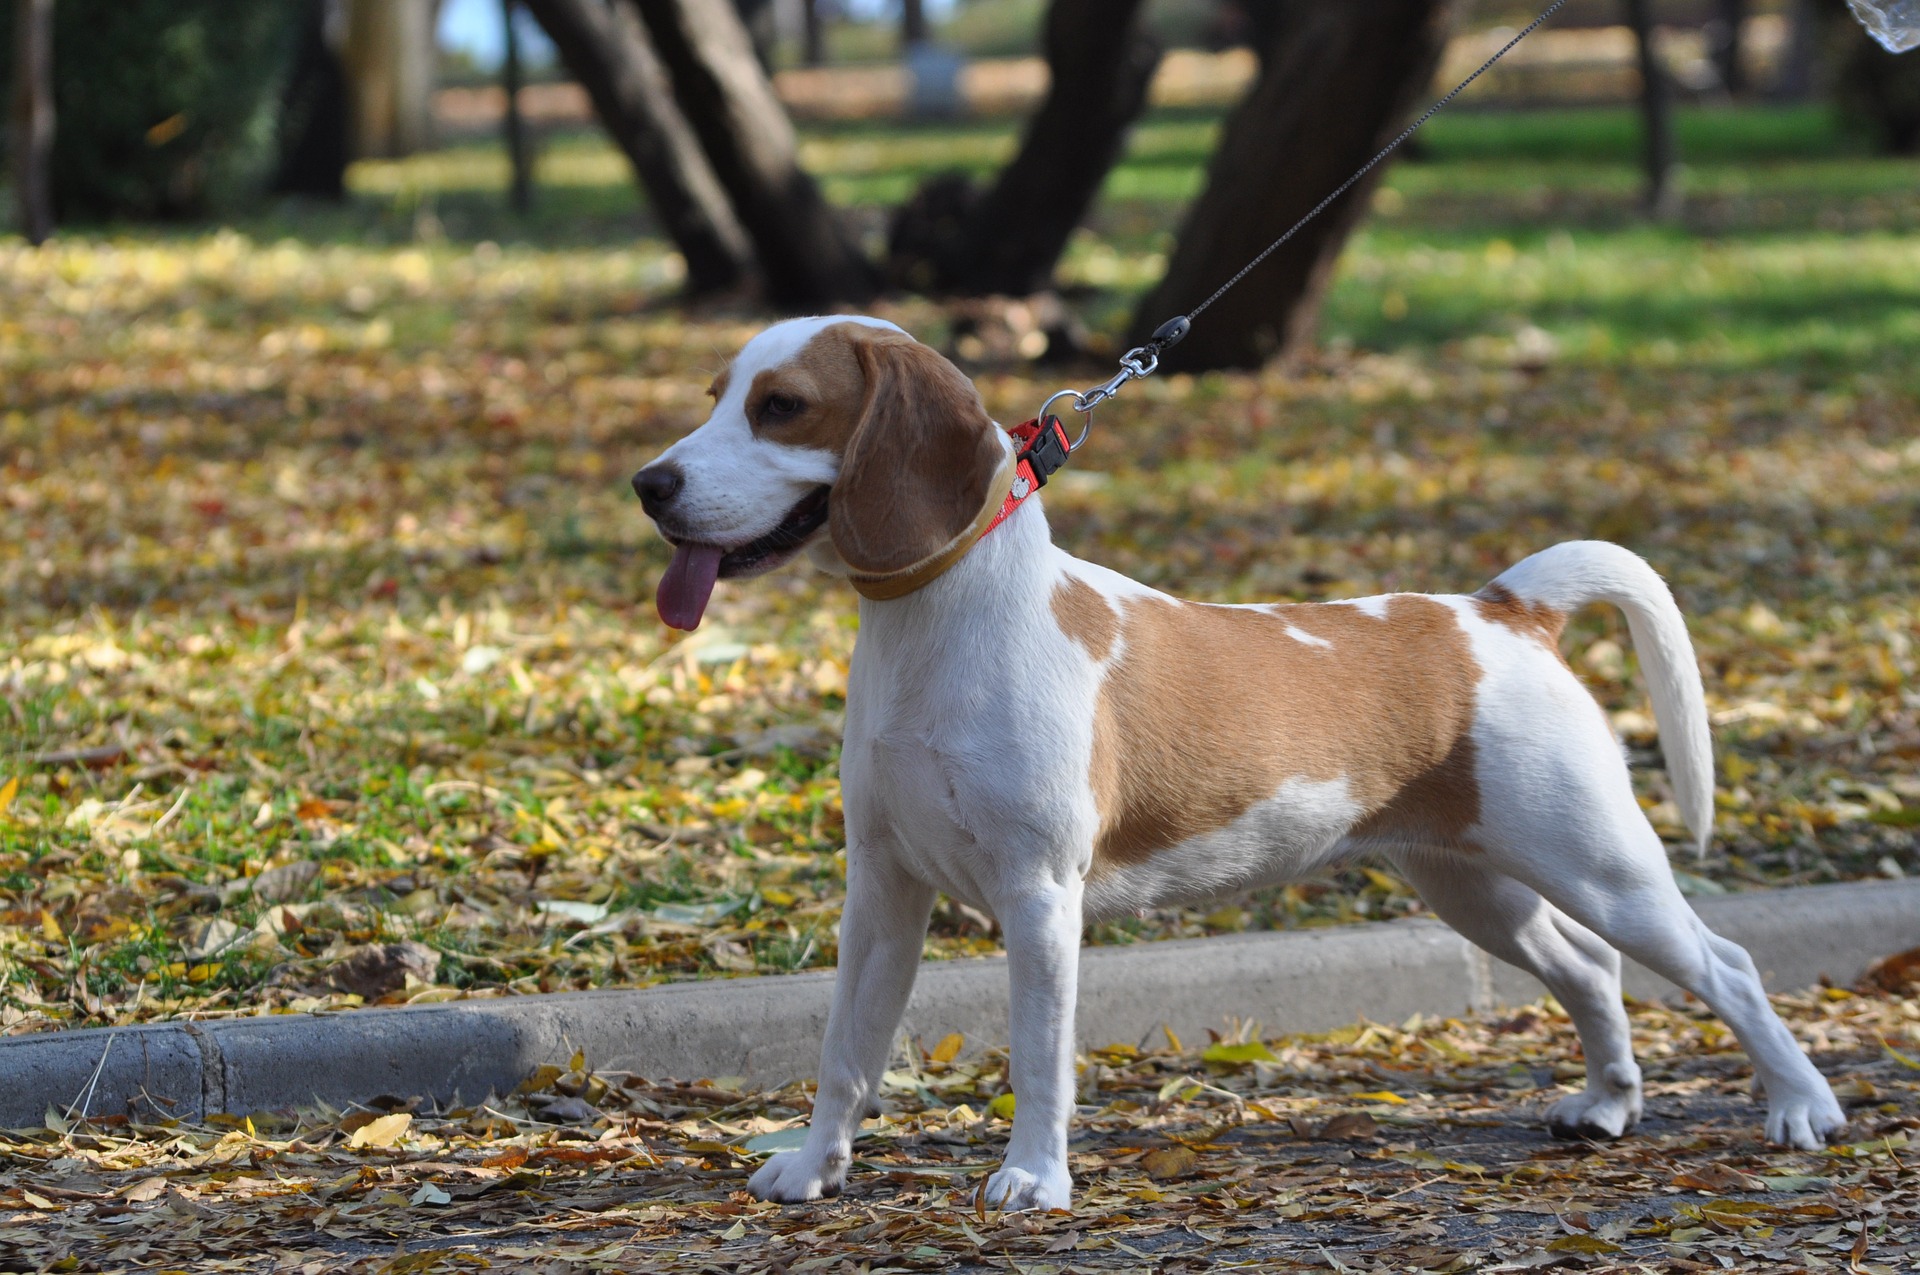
(1043, 443)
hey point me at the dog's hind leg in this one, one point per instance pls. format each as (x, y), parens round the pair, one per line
(1511, 921)
(883, 927)
(1599, 861)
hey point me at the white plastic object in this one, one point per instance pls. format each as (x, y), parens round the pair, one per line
(1894, 23)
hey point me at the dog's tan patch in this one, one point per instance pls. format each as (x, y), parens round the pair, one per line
(1085, 616)
(1210, 709)
(826, 378)
(717, 388)
(1498, 604)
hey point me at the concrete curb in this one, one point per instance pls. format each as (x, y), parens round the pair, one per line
(768, 1029)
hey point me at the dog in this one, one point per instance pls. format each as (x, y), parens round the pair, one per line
(1052, 742)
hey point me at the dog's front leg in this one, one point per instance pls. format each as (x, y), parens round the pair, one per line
(1043, 961)
(882, 929)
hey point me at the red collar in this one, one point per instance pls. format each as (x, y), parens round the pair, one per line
(1043, 448)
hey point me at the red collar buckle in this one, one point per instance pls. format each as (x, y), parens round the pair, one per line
(1043, 450)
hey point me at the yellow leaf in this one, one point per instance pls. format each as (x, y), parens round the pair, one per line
(50, 926)
(1582, 1244)
(1172, 1040)
(1251, 1051)
(1002, 1106)
(1381, 1095)
(948, 1048)
(1385, 882)
(7, 793)
(383, 1132)
(734, 1232)
(543, 1075)
(1169, 1162)
(578, 1062)
(1897, 1056)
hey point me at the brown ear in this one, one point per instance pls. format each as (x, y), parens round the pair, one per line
(918, 472)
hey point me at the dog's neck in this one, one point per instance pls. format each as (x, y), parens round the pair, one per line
(980, 600)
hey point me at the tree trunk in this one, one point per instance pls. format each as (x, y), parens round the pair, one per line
(757, 17)
(1101, 63)
(813, 34)
(313, 112)
(389, 59)
(521, 192)
(32, 116)
(1795, 81)
(607, 51)
(913, 23)
(807, 254)
(1656, 113)
(1723, 45)
(1333, 88)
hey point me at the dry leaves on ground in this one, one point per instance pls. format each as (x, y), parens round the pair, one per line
(325, 624)
(1371, 1148)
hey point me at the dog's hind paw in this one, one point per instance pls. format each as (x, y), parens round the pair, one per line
(1015, 1189)
(792, 1177)
(1806, 1122)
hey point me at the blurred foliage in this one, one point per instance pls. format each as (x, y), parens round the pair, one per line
(165, 108)
(317, 558)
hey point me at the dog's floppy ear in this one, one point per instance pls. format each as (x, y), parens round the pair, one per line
(917, 484)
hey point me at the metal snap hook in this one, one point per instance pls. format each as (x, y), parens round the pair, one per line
(1078, 399)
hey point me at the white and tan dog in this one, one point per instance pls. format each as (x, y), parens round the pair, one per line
(1051, 742)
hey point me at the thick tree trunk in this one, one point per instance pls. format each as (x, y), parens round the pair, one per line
(1333, 88)
(313, 112)
(1662, 197)
(1101, 63)
(606, 49)
(808, 256)
(389, 59)
(757, 17)
(32, 117)
(913, 23)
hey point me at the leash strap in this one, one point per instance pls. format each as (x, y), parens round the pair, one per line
(1144, 360)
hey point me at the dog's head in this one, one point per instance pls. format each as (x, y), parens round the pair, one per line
(839, 424)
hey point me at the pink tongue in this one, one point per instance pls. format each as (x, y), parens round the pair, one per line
(684, 590)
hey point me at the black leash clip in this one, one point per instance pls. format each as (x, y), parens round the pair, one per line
(1048, 451)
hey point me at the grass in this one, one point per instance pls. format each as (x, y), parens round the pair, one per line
(314, 544)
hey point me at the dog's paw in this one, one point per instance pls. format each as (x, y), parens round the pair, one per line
(792, 1177)
(1014, 1189)
(1608, 1107)
(1805, 1121)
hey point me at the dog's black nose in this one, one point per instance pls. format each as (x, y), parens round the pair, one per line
(657, 485)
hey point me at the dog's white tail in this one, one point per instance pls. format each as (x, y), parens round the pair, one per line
(1572, 575)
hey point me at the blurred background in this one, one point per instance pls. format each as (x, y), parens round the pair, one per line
(330, 331)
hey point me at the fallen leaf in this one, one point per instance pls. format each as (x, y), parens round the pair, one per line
(375, 969)
(1349, 1126)
(382, 1131)
(1170, 1162)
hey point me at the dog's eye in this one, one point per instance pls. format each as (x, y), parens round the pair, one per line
(780, 406)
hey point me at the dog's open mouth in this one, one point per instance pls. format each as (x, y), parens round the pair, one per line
(688, 584)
